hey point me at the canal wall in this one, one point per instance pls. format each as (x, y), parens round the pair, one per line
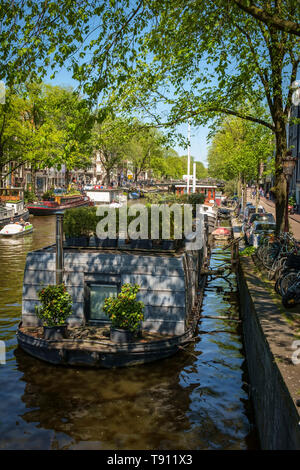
(274, 379)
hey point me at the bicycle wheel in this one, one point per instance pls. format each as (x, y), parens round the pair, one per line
(291, 298)
(286, 281)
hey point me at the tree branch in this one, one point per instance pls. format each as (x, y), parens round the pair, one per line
(274, 20)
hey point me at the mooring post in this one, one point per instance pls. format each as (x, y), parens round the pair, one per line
(59, 248)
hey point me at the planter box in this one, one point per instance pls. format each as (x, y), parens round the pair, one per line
(77, 241)
(142, 244)
(105, 242)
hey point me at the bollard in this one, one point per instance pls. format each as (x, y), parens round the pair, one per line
(59, 248)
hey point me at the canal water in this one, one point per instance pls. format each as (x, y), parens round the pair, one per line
(194, 400)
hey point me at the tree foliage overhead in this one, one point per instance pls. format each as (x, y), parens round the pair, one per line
(200, 60)
(239, 149)
(169, 60)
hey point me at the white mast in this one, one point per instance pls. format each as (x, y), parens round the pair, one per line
(194, 177)
(189, 160)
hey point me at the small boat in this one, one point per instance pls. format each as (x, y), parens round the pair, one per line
(16, 229)
(221, 233)
(58, 204)
(134, 195)
(12, 206)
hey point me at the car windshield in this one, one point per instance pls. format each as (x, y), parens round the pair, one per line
(261, 227)
(262, 217)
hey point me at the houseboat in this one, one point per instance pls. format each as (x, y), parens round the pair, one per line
(58, 203)
(170, 289)
(12, 206)
(106, 196)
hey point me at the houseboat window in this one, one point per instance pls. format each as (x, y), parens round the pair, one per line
(98, 292)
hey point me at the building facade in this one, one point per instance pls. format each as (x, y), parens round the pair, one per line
(294, 146)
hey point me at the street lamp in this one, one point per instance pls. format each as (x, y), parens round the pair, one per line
(288, 165)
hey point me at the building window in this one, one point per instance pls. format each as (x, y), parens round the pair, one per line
(96, 293)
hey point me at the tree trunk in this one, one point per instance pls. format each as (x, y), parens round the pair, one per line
(256, 196)
(67, 178)
(244, 189)
(108, 177)
(239, 184)
(280, 181)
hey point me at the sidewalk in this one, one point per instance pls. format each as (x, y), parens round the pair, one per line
(269, 206)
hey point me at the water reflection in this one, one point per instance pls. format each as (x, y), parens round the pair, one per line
(194, 400)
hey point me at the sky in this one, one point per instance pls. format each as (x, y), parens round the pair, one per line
(198, 145)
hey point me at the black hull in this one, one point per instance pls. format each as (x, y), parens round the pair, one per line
(101, 354)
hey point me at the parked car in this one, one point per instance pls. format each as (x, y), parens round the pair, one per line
(252, 210)
(261, 216)
(241, 211)
(259, 228)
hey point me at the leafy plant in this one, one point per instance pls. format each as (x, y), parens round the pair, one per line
(125, 311)
(292, 201)
(29, 196)
(73, 192)
(48, 195)
(79, 221)
(248, 251)
(56, 305)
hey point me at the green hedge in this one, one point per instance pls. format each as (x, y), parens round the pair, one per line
(82, 221)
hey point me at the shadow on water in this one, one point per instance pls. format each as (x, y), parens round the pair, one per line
(196, 399)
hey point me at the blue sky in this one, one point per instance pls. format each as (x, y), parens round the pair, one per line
(198, 147)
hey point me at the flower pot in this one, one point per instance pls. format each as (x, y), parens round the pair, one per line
(70, 241)
(118, 335)
(77, 241)
(143, 244)
(81, 241)
(108, 242)
(168, 245)
(55, 332)
(104, 242)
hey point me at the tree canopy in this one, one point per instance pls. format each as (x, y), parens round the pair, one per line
(44, 126)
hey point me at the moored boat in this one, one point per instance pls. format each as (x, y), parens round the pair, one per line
(16, 229)
(58, 204)
(221, 233)
(170, 284)
(12, 206)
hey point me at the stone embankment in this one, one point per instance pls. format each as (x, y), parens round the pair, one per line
(273, 359)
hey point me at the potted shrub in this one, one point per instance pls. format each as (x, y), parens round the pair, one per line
(77, 226)
(48, 195)
(125, 313)
(101, 242)
(56, 307)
